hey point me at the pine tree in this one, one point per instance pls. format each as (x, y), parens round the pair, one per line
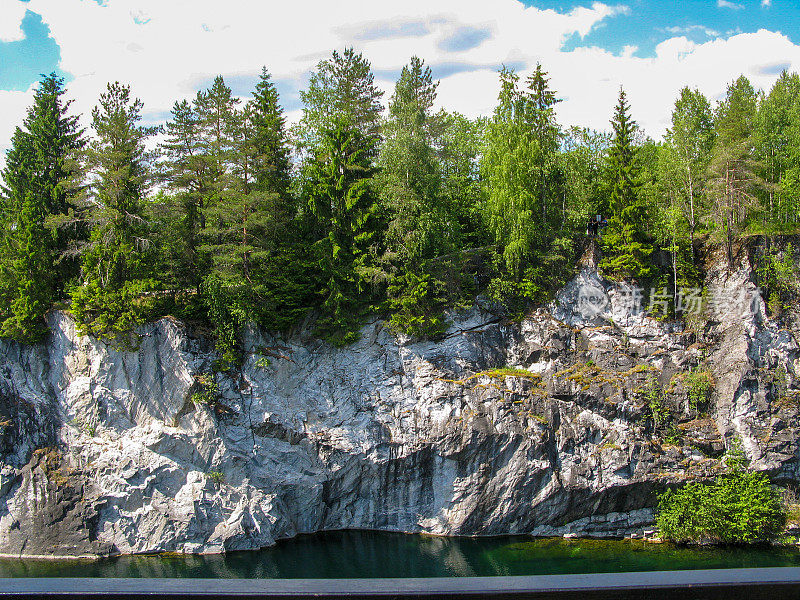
(626, 241)
(342, 89)
(190, 175)
(37, 192)
(237, 236)
(248, 234)
(419, 226)
(116, 267)
(248, 222)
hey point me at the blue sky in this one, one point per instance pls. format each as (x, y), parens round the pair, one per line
(646, 23)
(22, 61)
(168, 49)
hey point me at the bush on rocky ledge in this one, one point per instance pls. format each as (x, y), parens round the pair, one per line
(738, 508)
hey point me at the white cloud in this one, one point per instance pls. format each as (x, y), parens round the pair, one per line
(165, 50)
(11, 15)
(731, 5)
(692, 28)
(13, 107)
(766, 3)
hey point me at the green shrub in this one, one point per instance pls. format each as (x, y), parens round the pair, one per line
(656, 400)
(216, 476)
(780, 384)
(515, 296)
(417, 303)
(738, 508)
(224, 308)
(778, 278)
(207, 390)
(698, 386)
(113, 314)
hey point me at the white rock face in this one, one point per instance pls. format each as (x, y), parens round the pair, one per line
(108, 452)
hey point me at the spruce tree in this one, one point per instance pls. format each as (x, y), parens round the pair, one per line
(215, 109)
(271, 164)
(116, 263)
(517, 163)
(626, 241)
(37, 194)
(342, 201)
(542, 101)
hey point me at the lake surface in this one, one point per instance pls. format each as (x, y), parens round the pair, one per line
(359, 554)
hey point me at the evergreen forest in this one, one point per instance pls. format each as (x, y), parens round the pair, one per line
(229, 215)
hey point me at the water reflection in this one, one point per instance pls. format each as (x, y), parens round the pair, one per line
(353, 554)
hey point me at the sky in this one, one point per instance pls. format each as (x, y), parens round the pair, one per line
(167, 50)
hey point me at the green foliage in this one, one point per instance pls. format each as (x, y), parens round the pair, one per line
(218, 477)
(415, 214)
(699, 385)
(685, 159)
(419, 226)
(582, 162)
(228, 314)
(113, 314)
(341, 89)
(524, 187)
(626, 242)
(38, 191)
(116, 263)
(268, 143)
(780, 383)
(777, 125)
(229, 228)
(417, 303)
(778, 278)
(682, 176)
(514, 296)
(263, 363)
(459, 144)
(735, 182)
(654, 396)
(737, 508)
(520, 171)
(342, 202)
(207, 392)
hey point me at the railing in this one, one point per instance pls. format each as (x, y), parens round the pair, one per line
(728, 584)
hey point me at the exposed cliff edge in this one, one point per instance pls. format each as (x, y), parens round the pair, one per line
(144, 451)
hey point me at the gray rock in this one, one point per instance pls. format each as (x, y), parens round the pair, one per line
(104, 451)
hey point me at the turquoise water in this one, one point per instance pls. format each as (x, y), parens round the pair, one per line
(355, 554)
